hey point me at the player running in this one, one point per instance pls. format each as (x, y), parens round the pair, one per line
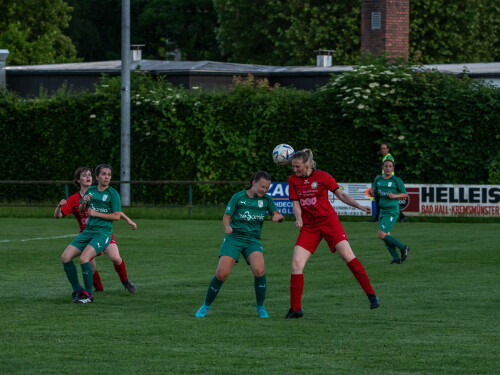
(316, 218)
(83, 179)
(243, 220)
(104, 206)
(390, 189)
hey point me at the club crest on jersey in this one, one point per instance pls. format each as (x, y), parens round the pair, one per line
(389, 184)
(261, 203)
(104, 197)
(314, 185)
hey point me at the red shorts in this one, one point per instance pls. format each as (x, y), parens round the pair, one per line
(110, 242)
(331, 230)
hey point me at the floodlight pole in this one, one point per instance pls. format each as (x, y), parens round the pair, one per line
(125, 106)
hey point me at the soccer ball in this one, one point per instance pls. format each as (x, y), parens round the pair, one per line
(282, 154)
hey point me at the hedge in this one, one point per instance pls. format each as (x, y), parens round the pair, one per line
(441, 129)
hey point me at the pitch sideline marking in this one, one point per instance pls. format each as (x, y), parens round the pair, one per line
(38, 238)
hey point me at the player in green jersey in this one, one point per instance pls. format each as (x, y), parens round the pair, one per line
(104, 207)
(390, 189)
(243, 220)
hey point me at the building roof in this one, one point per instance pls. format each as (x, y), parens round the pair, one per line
(473, 69)
(173, 67)
(28, 79)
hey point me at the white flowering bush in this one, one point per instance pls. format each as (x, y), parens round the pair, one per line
(435, 123)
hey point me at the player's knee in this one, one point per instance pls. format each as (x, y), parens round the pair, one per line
(297, 266)
(222, 275)
(259, 272)
(381, 235)
(117, 261)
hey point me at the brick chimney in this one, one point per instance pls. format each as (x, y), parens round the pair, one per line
(385, 26)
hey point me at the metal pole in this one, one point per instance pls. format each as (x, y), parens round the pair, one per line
(125, 106)
(190, 199)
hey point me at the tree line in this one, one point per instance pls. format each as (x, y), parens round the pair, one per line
(272, 32)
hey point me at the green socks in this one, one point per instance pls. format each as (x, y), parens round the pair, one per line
(87, 277)
(393, 241)
(260, 289)
(70, 270)
(393, 252)
(213, 290)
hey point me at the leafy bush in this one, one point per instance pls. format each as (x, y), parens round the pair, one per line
(441, 129)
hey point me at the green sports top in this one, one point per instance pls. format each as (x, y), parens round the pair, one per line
(382, 187)
(247, 214)
(107, 202)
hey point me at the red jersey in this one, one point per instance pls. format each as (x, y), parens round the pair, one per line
(71, 207)
(312, 194)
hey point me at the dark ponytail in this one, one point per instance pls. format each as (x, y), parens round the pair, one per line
(257, 176)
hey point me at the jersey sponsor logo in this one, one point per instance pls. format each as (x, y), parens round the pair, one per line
(249, 217)
(314, 185)
(308, 202)
(261, 203)
(99, 209)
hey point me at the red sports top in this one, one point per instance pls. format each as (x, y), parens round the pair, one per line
(71, 207)
(312, 194)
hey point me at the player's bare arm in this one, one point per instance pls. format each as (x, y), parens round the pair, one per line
(347, 199)
(57, 212)
(127, 219)
(83, 205)
(397, 196)
(114, 216)
(225, 220)
(297, 211)
(278, 217)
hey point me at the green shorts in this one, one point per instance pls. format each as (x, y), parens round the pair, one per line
(386, 221)
(233, 247)
(97, 240)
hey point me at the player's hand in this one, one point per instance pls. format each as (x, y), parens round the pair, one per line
(299, 223)
(278, 218)
(366, 209)
(62, 202)
(86, 198)
(133, 225)
(229, 230)
(390, 195)
(91, 212)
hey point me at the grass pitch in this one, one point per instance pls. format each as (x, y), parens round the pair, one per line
(438, 314)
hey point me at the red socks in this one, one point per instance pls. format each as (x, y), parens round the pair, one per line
(296, 290)
(96, 280)
(360, 275)
(121, 271)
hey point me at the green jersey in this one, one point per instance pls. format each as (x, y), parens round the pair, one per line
(107, 202)
(247, 214)
(383, 187)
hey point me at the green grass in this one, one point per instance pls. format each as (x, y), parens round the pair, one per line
(438, 314)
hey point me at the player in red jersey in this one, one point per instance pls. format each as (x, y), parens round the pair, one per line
(83, 179)
(316, 218)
